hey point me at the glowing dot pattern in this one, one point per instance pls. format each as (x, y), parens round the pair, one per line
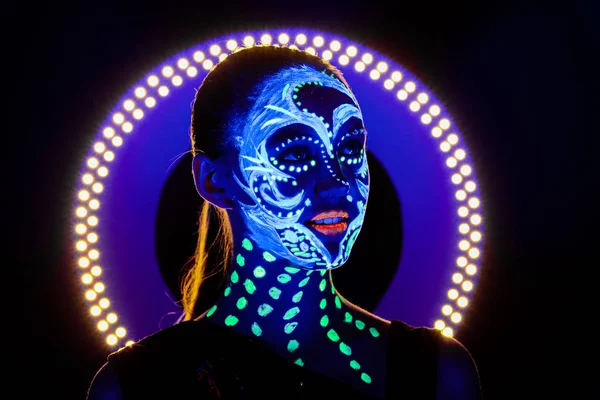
(192, 67)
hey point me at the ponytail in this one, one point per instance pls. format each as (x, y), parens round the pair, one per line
(208, 260)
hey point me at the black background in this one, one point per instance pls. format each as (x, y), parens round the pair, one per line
(518, 77)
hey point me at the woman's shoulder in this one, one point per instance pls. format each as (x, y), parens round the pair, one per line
(428, 357)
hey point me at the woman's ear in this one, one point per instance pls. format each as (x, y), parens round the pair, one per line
(211, 181)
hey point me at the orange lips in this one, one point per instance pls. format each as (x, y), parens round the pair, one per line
(330, 223)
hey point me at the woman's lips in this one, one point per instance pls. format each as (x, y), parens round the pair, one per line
(330, 223)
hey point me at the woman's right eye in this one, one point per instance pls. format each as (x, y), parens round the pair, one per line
(296, 154)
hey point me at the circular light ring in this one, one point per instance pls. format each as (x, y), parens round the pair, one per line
(158, 83)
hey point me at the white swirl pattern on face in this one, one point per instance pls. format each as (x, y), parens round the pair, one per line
(273, 219)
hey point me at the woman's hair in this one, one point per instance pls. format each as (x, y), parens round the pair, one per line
(226, 95)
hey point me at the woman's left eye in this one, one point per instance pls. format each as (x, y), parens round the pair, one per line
(351, 148)
(296, 154)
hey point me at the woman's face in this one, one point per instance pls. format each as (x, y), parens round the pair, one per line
(303, 164)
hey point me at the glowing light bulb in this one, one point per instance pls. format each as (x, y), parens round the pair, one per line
(452, 138)
(471, 269)
(461, 195)
(445, 147)
(367, 58)
(456, 317)
(467, 286)
(351, 51)
(382, 67)
(444, 123)
(152, 80)
(434, 110)
(167, 71)
(177, 81)
(87, 279)
(84, 195)
(111, 340)
(410, 86)
(447, 331)
(111, 318)
(103, 171)
(359, 66)
(422, 98)
(99, 287)
(183, 63)
(414, 106)
(426, 119)
(464, 228)
(464, 245)
(108, 156)
(374, 74)
(388, 84)
(447, 310)
(456, 179)
(92, 220)
(140, 92)
(344, 60)
(104, 303)
(150, 102)
(90, 295)
(460, 154)
(461, 261)
(335, 45)
(192, 72)
(231, 45)
(301, 39)
(457, 278)
(83, 262)
(476, 236)
(92, 162)
(80, 229)
(163, 91)
(311, 50)
(102, 325)
(462, 302)
(402, 94)
(474, 252)
(436, 132)
(396, 76)
(207, 64)
(248, 41)
(198, 56)
(118, 118)
(453, 294)
(94, 204)
(463, 211)
(318, 41)
(127, 127)
(92, 237)
(474, 202)
(128, 105)
(327, 55)
(283, 38)
(439, 324)
(465, 170)
(215, 50)
(476, 219)
(120, 332)
(95, 311)
(96, 271)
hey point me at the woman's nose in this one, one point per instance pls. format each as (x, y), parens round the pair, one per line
(332, 189)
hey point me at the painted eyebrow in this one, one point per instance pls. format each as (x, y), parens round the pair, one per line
(291, 132)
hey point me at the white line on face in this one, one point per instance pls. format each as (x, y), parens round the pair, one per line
(273, 219)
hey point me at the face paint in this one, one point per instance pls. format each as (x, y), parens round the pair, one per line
(303, 165)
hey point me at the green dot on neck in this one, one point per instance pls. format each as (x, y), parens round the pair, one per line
(354, 365)
(211, 311)
(235, 277)
(303, 282)
(366, 378)
(289, 327)
(241, 261)
(322, 285)
(345, 349)
(297, 297)
(333, 336)
(274, 293)
(249, 285)
(227, 291)
(347, 317)
(264, 310)
(231, 320)
(323, 304)
(268, 256)
(359, 324)
(292, 345)
(247, 244)
(299, 362)
(291, 313)
(338, 303)
(256, 329)
(374, 332)
(259, 272)
(241, 303)
(324, 321)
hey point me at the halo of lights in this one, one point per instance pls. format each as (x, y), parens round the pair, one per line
(192, 65)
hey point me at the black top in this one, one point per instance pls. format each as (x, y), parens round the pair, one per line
(175, 364)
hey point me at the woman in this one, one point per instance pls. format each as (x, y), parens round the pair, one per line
(279, 157)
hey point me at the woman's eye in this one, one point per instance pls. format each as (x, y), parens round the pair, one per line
(296, 154)
(351, 148)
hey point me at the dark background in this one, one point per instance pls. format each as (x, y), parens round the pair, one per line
(518, 77)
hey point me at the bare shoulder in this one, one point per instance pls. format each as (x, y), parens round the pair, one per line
(458, 377)
(105, 385)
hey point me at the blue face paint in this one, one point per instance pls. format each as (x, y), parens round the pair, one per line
(303, 165)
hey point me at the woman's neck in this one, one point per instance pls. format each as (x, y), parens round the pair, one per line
(267, 297)
(297, 312)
